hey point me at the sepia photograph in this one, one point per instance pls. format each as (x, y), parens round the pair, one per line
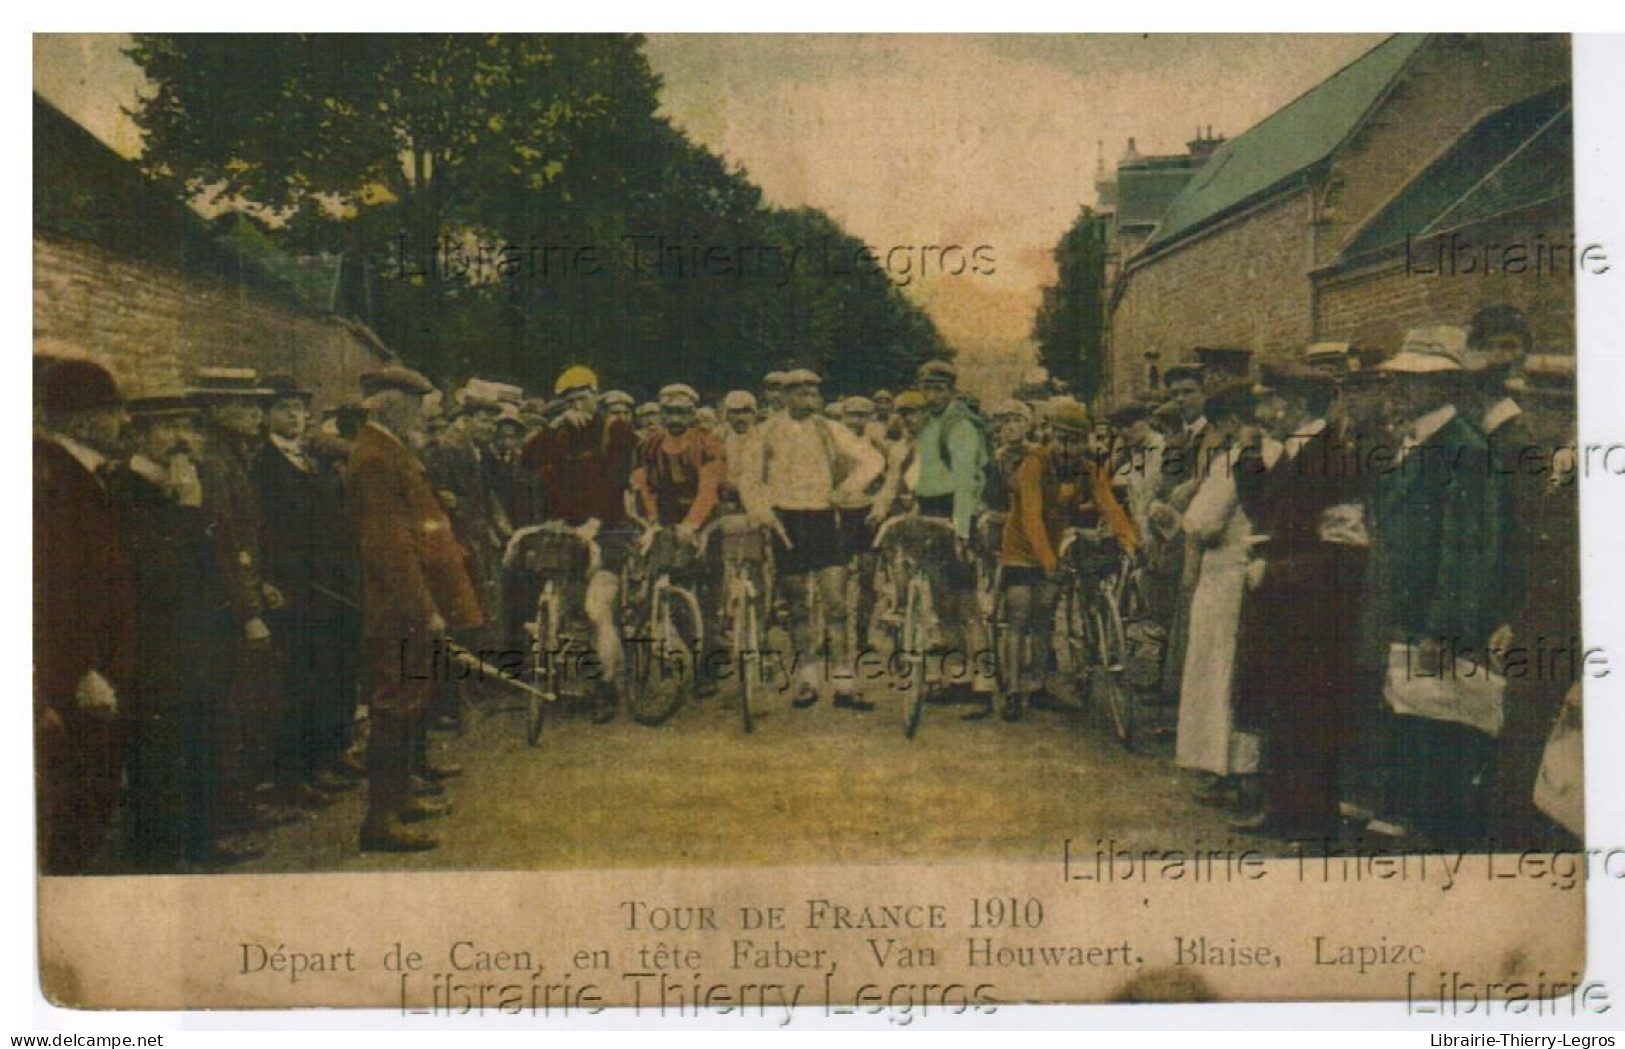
(902, 524)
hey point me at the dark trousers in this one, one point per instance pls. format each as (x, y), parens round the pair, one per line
(246, 730)
(1437, 773)
(171, 766)
(78, 767)
(316, 673)
(1304, 745)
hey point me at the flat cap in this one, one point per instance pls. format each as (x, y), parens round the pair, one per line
(1068, 415)
(614, 397)
(78, 386)
(937, 373)
(1011, 408)
(858, 405)
(910, 400)
(678, 395)
(802, 377)
(774, 378)
(738, 400)
(647, 408)
(1180, 372)
(395, 377)
(1128, 414)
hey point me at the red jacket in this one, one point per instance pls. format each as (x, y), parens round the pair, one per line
(582, 471)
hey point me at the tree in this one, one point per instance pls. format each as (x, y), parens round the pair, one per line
(410, 153)
(1070, 325)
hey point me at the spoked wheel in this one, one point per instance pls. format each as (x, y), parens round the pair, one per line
(665, 667)
(549, 617)
(1103, 677)
(1079, 644)
(747, 655)
(915, 638)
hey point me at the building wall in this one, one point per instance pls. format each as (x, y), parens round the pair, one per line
(151, 325)
(1453, 81)
(1245, 286)
(1373, 305)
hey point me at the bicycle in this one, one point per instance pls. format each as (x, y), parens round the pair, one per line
(747, 597)
(562, 558)
(1092, 618)
(665, 663)
(914, 548)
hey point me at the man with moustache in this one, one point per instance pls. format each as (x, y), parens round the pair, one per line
(1438, 567)
(186, 639)
(415, 589)
(234, 402)
(84, 634)
(583, 464)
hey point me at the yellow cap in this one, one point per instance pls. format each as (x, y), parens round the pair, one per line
(574, 378)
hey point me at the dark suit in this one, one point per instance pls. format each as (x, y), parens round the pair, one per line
(186, 639)
(1297, 649)
(249, 716)
(316, 632)
(84, 597)
(1439, 554)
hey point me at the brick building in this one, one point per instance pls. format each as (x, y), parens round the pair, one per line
(128, 276)
(1298, 229)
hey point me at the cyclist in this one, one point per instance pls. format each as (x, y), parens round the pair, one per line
(953, 458)
(857, 529)
(582, 464)
(646, 420)
(792, 480)
(680, 468)
(618, 404)
(902, 466)
(1058, 485)
(773, 392)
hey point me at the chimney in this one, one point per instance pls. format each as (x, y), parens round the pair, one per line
(1203, 145)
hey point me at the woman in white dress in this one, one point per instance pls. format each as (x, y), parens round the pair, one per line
(1207, 739)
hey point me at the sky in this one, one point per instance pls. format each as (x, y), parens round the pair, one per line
(909, 141)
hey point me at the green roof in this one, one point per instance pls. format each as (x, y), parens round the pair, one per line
(1515, 158)
(1285, 144)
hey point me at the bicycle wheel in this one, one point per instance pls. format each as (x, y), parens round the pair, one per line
(676, 637)
(1079, 643)
(549, 616)
(747, 654)
(1103, 684)
(915, 641)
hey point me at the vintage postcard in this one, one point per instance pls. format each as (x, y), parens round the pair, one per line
(872, 526)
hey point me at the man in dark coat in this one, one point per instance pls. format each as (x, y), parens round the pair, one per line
(307, 561)
(415, 588)
(186, 639)
(234, 408)
(1296, 654)
(84, 633)
(1439, 556)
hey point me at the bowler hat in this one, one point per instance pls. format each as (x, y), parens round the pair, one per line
(79, 386)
